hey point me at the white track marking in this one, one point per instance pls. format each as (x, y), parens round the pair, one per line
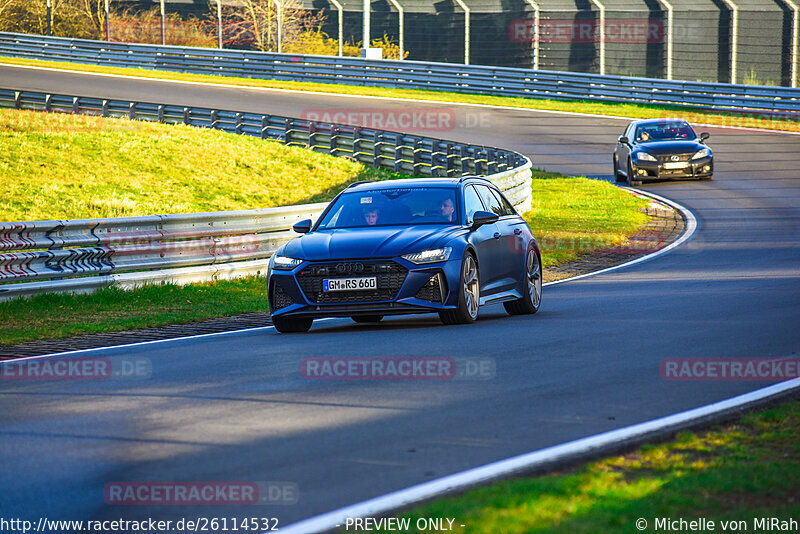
(529, 461)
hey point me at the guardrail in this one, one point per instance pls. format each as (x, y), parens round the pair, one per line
(476, 79)
(84, 255)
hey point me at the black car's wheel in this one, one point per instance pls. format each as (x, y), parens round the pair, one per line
(617, 176)
(630, 177)
(469, 294)
(532, 296)
(289, 324)
(367, 318)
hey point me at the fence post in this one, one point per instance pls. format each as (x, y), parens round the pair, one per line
(334, 140)
(214, 119)
(17, 99)
(357, 144)
(161, 113)
(132, 111)
(464, 160)
(105, 108)
(312, 135)
(398, 153)
(239, 127)
(417, 170)
(187, 116)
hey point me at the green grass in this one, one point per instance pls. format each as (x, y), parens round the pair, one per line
(73, 166)
(573, 216)
(738, 472)
(615, 109)
(67, 166)
(114, 309)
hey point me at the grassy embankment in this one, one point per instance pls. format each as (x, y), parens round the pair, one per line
(737, 472)
(58, 166)
(758, 120)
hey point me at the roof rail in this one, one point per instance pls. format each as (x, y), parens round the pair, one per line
(474, 178)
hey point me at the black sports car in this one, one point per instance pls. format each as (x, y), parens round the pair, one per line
(443, 245)
(661, 149)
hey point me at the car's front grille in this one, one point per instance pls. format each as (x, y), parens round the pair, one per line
(432, 290)
(279, 297)
(389, 277)
(681, 157)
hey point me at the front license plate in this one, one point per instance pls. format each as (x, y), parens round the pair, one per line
(350, 284)
(676, 164)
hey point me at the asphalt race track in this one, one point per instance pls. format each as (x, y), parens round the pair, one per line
(235, 407)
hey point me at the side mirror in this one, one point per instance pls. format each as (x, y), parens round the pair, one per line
(624, 140)
(704, 136)
(483, 217)
(303, 227)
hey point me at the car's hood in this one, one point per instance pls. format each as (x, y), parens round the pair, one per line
(662, 148)
(381, 242)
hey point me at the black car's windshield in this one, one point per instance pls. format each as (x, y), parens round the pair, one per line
(665, 131)
(389, 207)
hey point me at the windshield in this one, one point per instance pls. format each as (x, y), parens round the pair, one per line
(665, 131)
(391, 207)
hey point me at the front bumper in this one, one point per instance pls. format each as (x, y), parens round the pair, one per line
(652, 170)
(402, 288)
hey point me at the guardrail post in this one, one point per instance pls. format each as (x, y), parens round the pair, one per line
(17, 99)
(76, 108)
(264, 126)
(132, 110)
(187, 116)
(312, 136)
(334, 151)
(287, 132)
(416, 158)
(357, 143)
(48, 103)
(161, 113)
(451, 154)
(214, 119)
(491, 161)
(376, 151)
(239, 127)
(464, 160)
(104, 111)
(398, 153)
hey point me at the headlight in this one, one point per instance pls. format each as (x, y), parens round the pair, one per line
(429, 256)
(282, 263)
(644, 156)
(702, 153)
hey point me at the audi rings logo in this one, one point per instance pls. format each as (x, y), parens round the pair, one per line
(675, 158)
(348, 268)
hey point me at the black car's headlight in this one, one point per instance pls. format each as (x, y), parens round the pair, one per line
(429, 256)
(284, 263)
(644, 156)
(702, 153)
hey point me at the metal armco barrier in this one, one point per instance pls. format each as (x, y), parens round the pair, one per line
(501, 81)
(84, 255)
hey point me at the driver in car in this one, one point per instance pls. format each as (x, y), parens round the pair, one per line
(371, 216)
(448, 209)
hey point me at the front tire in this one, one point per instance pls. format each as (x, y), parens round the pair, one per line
(617, 176)
(532, 296)
(469, 297)
(629, 178)
(289, 325)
